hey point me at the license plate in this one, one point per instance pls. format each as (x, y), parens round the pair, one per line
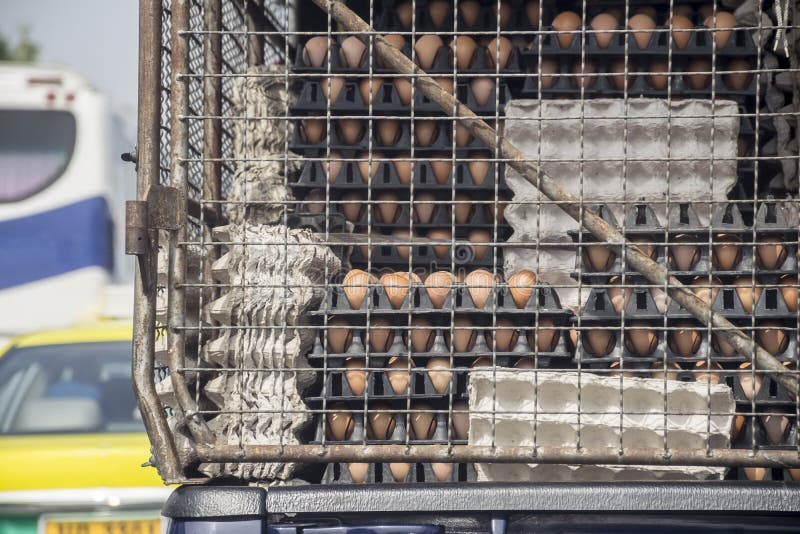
(101, 526)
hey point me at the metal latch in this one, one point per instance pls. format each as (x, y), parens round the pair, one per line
(164, 209)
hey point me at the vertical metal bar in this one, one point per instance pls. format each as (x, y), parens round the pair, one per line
(212, 104)
(176, 312)
(255, 41)
(149, 118)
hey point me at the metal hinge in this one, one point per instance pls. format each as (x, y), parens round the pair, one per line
(164, 209)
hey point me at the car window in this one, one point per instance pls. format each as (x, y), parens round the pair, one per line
(71, 388)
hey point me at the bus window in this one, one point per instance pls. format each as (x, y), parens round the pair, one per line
(35, 149)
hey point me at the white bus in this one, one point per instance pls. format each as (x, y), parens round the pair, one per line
(62, 187)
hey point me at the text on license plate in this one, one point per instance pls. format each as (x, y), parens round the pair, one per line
(131, 526)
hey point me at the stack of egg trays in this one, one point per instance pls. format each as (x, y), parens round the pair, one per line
(640, 222)
(700, 45)
(599, 312)
(486, 21)
(388, 256)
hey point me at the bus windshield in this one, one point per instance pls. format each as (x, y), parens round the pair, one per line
(70, 388)
(35, 149)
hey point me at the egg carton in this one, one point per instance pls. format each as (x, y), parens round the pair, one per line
(514, 408)
(387, 256)
(313, 176)
(769, 306)
(441, 142)
(311, 100)
(700, 44)
(381, 473)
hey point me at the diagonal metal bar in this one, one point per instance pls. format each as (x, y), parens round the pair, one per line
(600, 229)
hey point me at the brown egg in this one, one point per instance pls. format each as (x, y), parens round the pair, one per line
(506, 335)
(794, 474)
(707, 294)
(461, 419)
(617, 68)
(483, 361)
(331, 87)
(684, 10)
(350, 130)
(771, 256)
(699, 81)
(726, 252)
(480, 235)
(397, 286)
(772, 337)
(470, 10)
(738, 425)
(394, 39)
(747, 294)
(404, 251)
(707, 374)
(598, 258)
(352, 52)
(423, 421)
(358, 472)
(464, 334)
(659, 74)
(439, 373)
(356, 376)
(399, 471)
(422, 335)
(722, 347)
(463, 208)
(521, 285)
(724, 24)
(602, 24)
(424, 206)
(438, 285)
(502, 202)
(315, 51)
(581, 79)
(503, 55)
(426, 48)
(440, 234)
(750, 385)
(673, 370)
(369, 89)
(446, 83)
(788, 285)
(680, 22)
(619, 295)
(398, 376)
(463, 135)
(438, 10)
(388, 131)
(548, 73)
(403, 166)
(332, 166)
(464, 50)
(478, 168)
(546, 339)
(482, 89)
(532, 12)
(572, 338)
(355, 286)
(425, 132)
(480, 284)
(381, 335)
(441, 166)
(642, 27)
(650, 11)
(381, 421)
(566, 21)
(599, 342)
(441, 471)
(640, 338)
(352, 206)
(504, 13)
(403, 88)
(684, 257)
(775, 426)
(404, 13)
(368, 167)
(388, 206)
(755, 473)
(685, 340)
(312, 130)
(315, 201)
(340, 335)
(339, 424)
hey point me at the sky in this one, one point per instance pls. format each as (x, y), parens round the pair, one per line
(97, 38)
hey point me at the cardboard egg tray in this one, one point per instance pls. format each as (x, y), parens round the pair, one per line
(313, 176)
(311, 100)
(381, 473)
(442, 63)
(423, 255)
(441, 142)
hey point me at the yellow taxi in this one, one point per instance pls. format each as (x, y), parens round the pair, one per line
(72, 441)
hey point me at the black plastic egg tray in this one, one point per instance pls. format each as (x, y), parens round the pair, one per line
(486, 20)
(311, 100)
(381, 473)
(423, 255)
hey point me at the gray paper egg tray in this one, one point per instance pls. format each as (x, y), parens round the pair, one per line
(312, 101)
(313, 176)
(381, 473)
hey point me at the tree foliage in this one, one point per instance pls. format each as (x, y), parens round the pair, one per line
(24, 50)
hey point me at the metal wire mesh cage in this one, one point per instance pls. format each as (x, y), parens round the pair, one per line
(436, 240)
